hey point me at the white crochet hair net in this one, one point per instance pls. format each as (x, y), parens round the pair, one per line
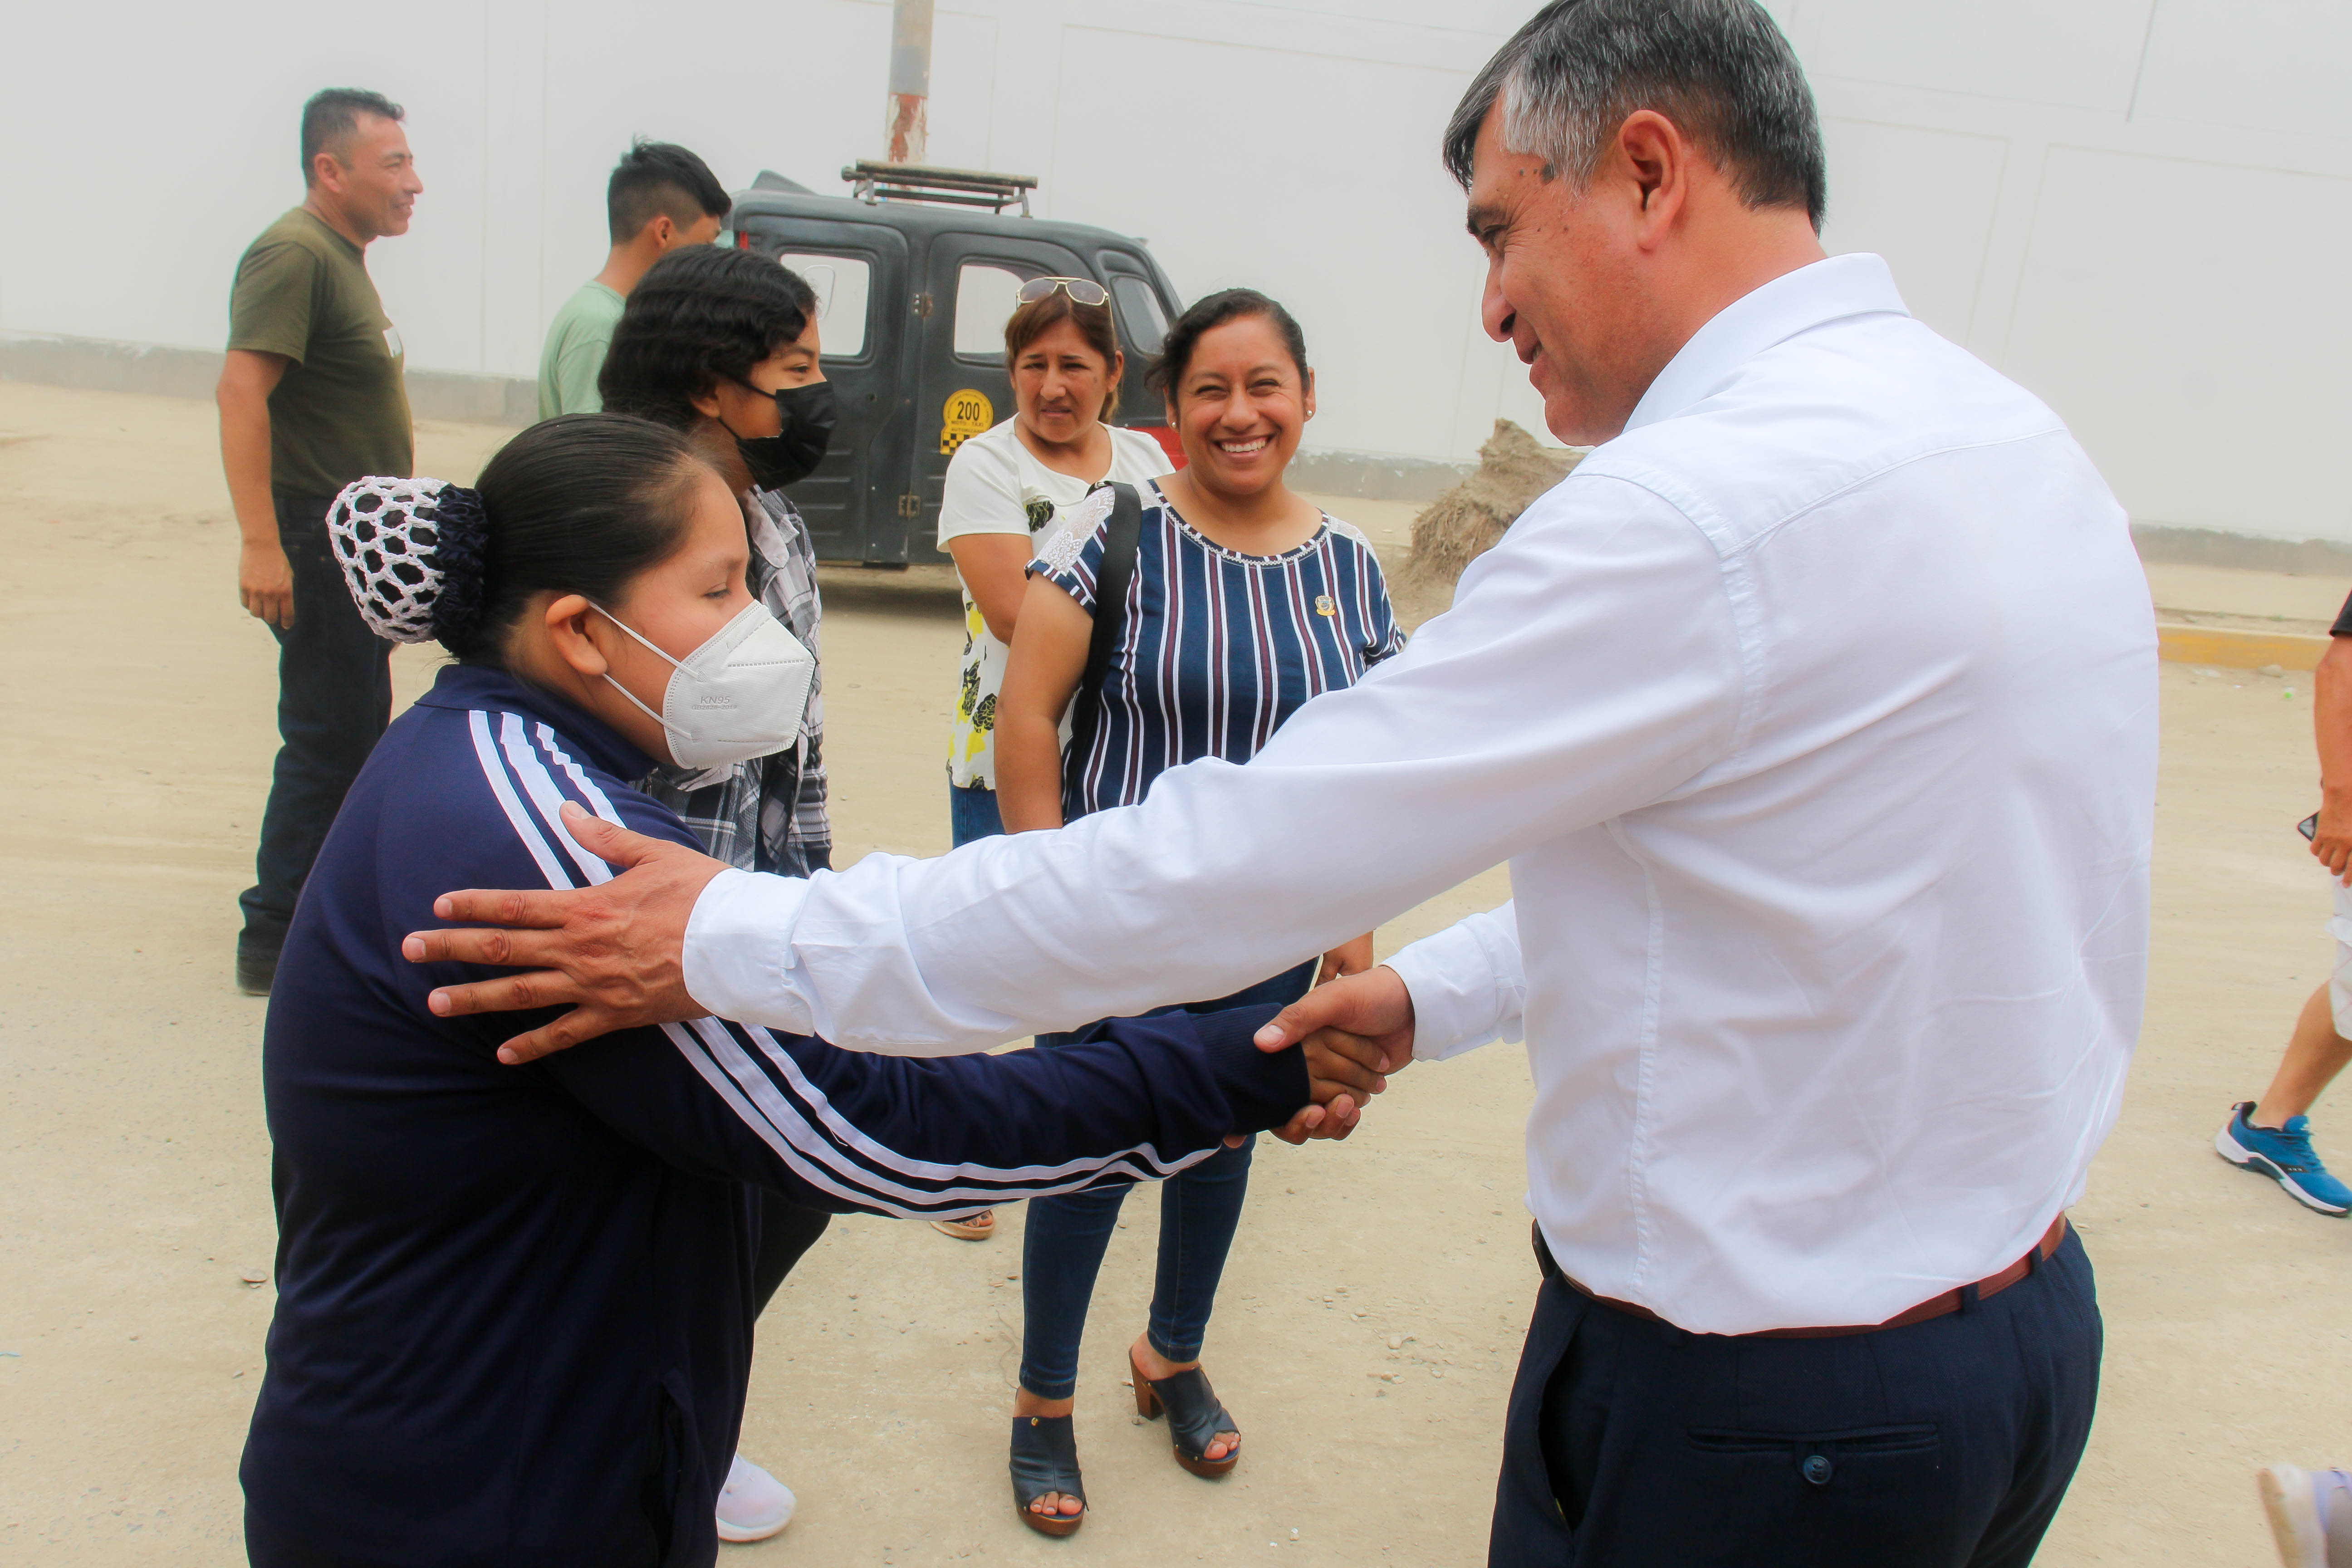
(386, 549)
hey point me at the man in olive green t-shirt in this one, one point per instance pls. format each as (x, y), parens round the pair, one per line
(660, 197)
(311, 397)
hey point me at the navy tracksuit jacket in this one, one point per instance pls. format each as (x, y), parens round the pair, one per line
(514, 1316)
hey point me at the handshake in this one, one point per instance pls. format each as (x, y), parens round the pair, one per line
(1353, 1032)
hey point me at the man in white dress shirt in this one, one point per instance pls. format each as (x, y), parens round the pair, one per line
(1815, 715)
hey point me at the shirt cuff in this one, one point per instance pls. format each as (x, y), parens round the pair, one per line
(734, 942)
(262, 343)
(1465, 993)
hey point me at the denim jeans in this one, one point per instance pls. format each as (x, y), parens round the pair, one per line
(1199, 1209)
(972, 813)
(334, 699)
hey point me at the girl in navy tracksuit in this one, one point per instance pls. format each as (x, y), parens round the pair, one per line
(514, 1316)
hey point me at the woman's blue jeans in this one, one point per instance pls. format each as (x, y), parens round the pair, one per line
(972, 813)
(1200, 1209)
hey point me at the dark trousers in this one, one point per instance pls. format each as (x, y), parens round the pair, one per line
(786, 1230)
(1948, 1443)
(334, 699)
(1200, 1209)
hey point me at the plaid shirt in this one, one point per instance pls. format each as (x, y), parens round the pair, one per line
(767, 814)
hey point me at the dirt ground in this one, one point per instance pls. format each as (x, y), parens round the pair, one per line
(1372, 1311)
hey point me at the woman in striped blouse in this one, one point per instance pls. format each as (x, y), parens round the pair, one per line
(1245, 600)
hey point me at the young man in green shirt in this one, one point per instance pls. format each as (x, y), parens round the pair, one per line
(660, 197)
(311, 397)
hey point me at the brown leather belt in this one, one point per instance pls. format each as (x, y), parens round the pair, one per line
(1941, 1306)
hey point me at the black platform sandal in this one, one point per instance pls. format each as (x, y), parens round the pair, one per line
(1045, 1459)
(1194, 1416)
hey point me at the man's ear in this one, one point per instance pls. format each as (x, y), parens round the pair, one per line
(1655, 157)
(567, 631)
(663, 232)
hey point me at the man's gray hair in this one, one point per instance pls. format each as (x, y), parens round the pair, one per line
(1719, 69)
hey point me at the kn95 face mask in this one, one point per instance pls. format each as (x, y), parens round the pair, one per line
(741, 695)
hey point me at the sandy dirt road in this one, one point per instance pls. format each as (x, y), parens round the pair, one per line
(1373, 1308)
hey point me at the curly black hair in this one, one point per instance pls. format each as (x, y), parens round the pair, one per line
(1215, 310)
(700, 315)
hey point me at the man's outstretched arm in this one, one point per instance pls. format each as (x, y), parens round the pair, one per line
(1590, 667)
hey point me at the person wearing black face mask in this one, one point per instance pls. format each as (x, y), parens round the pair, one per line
(806, 414)
(722, 345)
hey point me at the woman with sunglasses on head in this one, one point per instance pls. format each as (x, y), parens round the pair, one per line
(1244, 600)
(1007, 492)
(722, 346)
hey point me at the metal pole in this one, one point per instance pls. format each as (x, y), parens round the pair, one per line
(911, 80)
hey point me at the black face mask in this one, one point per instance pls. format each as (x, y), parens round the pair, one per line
(808, 414)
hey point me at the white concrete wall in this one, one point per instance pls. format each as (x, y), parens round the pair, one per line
(2140, 208)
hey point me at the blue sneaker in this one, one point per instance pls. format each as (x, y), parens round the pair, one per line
(2284, 1154)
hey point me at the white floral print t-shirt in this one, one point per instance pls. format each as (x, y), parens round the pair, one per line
(994, 485)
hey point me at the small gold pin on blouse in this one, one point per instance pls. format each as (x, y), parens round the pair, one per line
(1324, 605)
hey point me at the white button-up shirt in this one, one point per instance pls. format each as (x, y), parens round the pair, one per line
(1816, 717)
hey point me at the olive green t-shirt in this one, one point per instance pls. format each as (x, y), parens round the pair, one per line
(341, 412)
(576, 341)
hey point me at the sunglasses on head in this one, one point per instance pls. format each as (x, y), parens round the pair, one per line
(1081, 291)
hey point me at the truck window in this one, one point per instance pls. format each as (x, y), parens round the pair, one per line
(984, 300)
(1138, 313)
(840, 283)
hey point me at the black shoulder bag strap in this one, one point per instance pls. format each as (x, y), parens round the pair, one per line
(1112, 575)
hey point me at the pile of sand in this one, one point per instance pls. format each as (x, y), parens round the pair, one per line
(1468, 520)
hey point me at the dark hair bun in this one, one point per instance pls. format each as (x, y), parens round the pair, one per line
(464, 528)
(411, 554)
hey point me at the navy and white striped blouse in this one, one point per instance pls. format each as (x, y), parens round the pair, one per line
(1216, 648)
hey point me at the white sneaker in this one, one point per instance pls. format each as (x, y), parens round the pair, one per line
(2311, 1514)
(753, 1505)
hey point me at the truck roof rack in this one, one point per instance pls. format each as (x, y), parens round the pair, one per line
(874, 181)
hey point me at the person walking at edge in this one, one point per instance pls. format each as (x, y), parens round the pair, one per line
(1815, 714)
(2271, 1136)
(660, 197)
(311, 398)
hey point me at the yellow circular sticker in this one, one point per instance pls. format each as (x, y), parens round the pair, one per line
(968, 413)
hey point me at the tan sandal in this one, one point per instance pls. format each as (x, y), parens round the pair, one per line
(976, 1227)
